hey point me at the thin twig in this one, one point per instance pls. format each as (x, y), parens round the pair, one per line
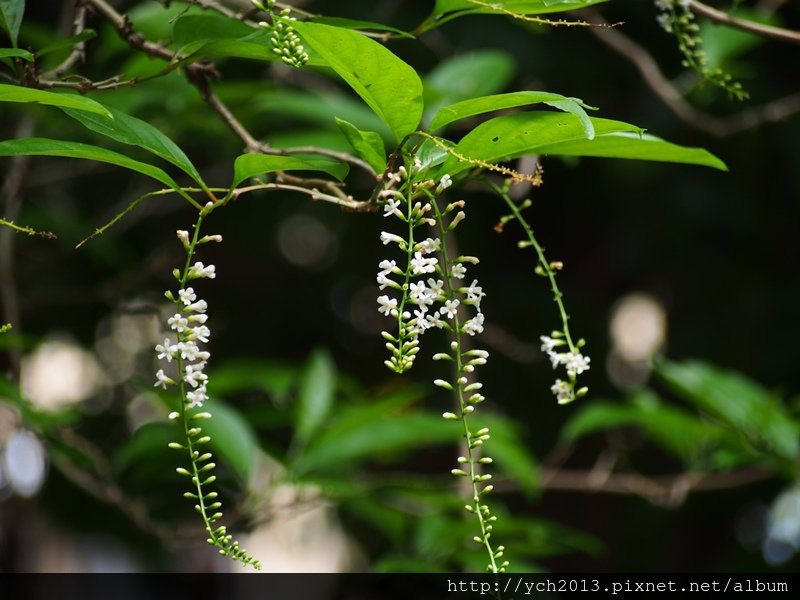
(78, 53)
(347, 202)
(723, 18)
(771, 112)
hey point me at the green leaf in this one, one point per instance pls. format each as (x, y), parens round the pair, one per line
(204, 28)
(16, 93)
(367, 144)
(252, 165)
(400, 433)
(250, 374)
(47, 147)
(389, 86)
(485, 104)
(360, 25)
(231, 437)
(511, 455)
(148, 442)
(316, 395)
(135, 132)
(468, 75)
(11, 12)
(16, 52)
(507, 137)
(737, 401)
(445, 10)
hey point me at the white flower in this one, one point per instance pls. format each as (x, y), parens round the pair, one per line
(434, 320)
(201, 332)
(436, 288)
(199, 307)
(429, 245)
(384, 281)
(199, 270)
(421, 265)
(420, 294)
(576, 364)
(421, 320)
(549, 344)
(391, 205)
(390, 237)
(387, 266)
(458, 271)
(162, 380)
(444, 183)
(474, 325)
(194, 375)
(474, 293)
(386, 305)
(188, 350)
(563, 391)
(201, 318)
(166, 350)
(557, 359)
(187, 296)
(450, 307)
(183, 236)
(197, 396)
(178, 322)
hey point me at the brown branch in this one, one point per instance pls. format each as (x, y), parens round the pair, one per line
(749, 118)
(78, 53)
(723, 18)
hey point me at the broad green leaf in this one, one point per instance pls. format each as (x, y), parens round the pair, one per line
(468, 75)
(677, 431)
(147, 443)
(11, 12)
(16, 53)
(47, 147)
(16, 93)
(367, 144)
(274, 106)
(485, 104)
(507, 137)
(231, 437)
(252, 165)
(445, 10)
(203, 28)
(388, 85)
(245, 374)
(316, 395)
(511, 455)
(400, 433)
(739, 402)
(360, 25)
(135, 132)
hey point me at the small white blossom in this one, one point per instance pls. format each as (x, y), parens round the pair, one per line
(201, 332)
(384, 281)
(183, 236)
(563, 391)
(194, 375)
(429, 245)
(162, 380)
(444, 183)
(386, 305)
(197, 396)
(178, 322)
(166, 350)
(474, 325)
(420, 294)
(388, 266)
(434, 320)
(390, 207)
(198, 307)
(474, 293)
(549, 344)
(201, 318)
(390, 237)
(449, 309)
(187, 296)
(421, 265)
(199, 270)
(576, 363)
(436, 288)
(458, 271)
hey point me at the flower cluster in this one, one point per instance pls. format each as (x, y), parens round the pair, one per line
(189, 325)
(284, 39)
(677, 19)
(573, 361)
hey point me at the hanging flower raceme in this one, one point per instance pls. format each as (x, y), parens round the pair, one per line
(186, 349)
(573, 362)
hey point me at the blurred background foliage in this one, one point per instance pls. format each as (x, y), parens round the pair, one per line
(682, 279)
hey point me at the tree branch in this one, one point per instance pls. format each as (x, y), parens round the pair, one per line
(750, 118)
(723, 18)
